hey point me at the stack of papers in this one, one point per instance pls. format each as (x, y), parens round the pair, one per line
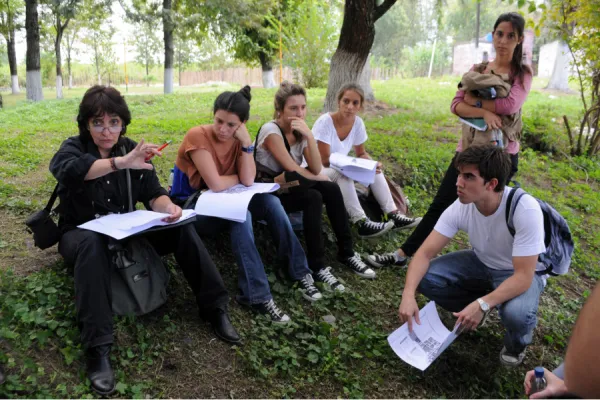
(120, 226)
(232, 203)
(358, 169)
(426, 342)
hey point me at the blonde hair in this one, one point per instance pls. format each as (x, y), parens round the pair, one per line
(355, 87)
(286, 90)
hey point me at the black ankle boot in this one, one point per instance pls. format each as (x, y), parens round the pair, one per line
(219, 319)
(99, 371)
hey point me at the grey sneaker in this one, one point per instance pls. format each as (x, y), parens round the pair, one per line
(359, 267)
(511, 360)
(270, 308)
(382, 260)
(324, 275)
(309, 290)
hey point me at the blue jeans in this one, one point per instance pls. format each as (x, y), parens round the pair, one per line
(252, 279)
(457, 279)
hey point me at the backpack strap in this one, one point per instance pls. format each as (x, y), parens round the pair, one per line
(128, 174)
(511, 206)
(285, 141)
(52, 199)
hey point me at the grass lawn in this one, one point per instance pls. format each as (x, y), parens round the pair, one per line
(171, 353)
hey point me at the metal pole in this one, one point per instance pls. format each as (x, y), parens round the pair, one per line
(432, 56)
(280, 56)
(125, 65)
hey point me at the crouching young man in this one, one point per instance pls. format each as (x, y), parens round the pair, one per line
(499, 271)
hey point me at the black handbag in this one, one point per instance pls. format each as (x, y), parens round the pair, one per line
(139, 278)
(45, 232)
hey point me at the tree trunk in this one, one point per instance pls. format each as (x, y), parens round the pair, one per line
(12, 62)
(268, 76)
(59, 34)
(168, 28)
(69, 68)
(32, 58)
(560, 73)
(147, 72)
(356, 39)
(365, 81)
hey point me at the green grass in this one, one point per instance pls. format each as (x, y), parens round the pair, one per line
(170, 353)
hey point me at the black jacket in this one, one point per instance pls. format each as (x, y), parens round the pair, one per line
(80, 200)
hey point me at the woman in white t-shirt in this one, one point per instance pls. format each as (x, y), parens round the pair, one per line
(340, 132)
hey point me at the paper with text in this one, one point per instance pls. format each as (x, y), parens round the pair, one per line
(232, 203)
(358, 169)
(120, 226)
(427, 340)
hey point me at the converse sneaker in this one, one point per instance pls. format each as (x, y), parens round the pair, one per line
(511, 360)
(371, 229)
(381, 260)
(324, 275)
(402, 221)
(309, 290)
(359, 267)
(270, 308)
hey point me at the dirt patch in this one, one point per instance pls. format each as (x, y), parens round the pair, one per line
(378, 108)
(17, 250)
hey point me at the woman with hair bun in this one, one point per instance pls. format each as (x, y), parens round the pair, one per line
(218, 156)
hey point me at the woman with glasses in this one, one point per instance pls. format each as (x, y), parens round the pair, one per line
(90, 170)
(508, 43)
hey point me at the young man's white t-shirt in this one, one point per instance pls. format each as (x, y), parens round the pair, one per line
(324, 131)
(489, 236)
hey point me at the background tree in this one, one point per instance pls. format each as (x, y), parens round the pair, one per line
(98, 39)
(356, 39)
(576, 22)
(62, 11)
(10, 13)
(310, 42)
(147, 46)
(32, 57)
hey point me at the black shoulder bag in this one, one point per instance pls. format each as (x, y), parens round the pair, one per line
(45, 232)
(139, 278)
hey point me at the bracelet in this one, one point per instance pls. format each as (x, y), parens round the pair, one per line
(113, 165)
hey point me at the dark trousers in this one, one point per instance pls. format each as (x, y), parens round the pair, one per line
(88, 252)
(445, 196)
(310, 202)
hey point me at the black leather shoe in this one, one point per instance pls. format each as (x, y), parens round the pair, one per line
(99, 371)
(222, 327)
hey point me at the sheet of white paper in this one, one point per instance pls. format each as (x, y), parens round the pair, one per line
(231, 204)
(358, 169)
(427, 341)
(120, 226)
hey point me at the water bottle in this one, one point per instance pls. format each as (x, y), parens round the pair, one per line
(170, 180)
(538, 382)
(497, 138)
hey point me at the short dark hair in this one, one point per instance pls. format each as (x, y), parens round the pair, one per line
(97, 101)
(235, 102)
(491, 161)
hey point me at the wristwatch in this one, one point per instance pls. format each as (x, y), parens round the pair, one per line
(485, 307)
(478, 104)
(249, 149)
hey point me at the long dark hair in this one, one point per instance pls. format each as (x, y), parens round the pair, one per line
(235, 102)
(518, 23)
(99, 100)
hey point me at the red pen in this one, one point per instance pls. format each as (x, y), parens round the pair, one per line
(168, 142)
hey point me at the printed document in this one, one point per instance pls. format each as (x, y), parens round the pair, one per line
(232, 203)
(358, 169)
(426, 342)
(120, 226)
